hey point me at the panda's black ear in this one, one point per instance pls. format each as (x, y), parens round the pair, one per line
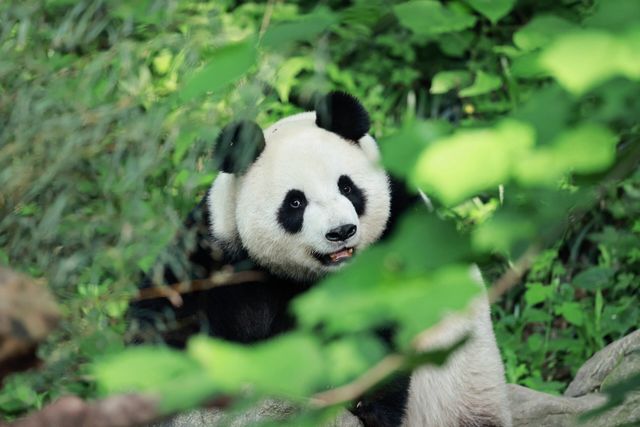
(342, 113)
(238, 146)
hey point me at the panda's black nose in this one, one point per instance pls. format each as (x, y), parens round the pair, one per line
(341, 233)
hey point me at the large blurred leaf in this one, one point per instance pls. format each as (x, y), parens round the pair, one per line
(304, 28)
(469, 161)
(444, 81)
(540, 31)
(430, 17)
(585, 149)
(347, 359)
(291, 365)
(401, 149)
(492, 9)
(170, 374)
(225, 66)
(483, 83)
(582, 60)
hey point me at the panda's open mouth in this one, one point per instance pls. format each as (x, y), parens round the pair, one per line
(335, 258)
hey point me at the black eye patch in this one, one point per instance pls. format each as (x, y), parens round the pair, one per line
(291, 211)
(354, 193)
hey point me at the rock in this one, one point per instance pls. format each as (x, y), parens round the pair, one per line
(534, 408)
(595, 370)
(28, 313)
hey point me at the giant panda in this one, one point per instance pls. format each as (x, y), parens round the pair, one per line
(294, 203)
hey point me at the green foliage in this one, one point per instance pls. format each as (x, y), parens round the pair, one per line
(518, 119)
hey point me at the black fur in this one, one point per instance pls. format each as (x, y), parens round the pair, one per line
(385, 406)
(354, 193)
(238, 146)
(341, 113)
(290, 215)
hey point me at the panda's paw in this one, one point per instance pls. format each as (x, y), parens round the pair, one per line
(377, 414)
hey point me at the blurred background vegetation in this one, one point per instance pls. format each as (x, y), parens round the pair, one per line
(519, 119)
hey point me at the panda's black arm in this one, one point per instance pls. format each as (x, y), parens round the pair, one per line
(386, 405)
(246, 312)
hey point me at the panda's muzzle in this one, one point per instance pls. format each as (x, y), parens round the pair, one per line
(335, 258)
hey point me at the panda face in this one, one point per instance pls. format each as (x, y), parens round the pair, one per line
(310, 201)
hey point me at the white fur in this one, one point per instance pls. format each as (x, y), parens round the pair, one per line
(470, 386)
(300, 155)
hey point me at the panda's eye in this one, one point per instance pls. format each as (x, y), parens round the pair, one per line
(346, 189)
(295, 203)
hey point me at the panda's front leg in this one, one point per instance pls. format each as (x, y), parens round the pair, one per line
(386, 406)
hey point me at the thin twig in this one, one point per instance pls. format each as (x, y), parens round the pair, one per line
(514, 274)
(175, 291)
(266, 18)
(359, 386)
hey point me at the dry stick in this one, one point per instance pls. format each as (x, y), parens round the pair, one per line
(357, 387)
(266, 18)
(175, 291)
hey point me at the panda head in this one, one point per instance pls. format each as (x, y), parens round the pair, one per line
(303, 196)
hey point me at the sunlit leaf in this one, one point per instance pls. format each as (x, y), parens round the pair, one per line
(444, 81)
(483, 83)
(169, 374)
(430, 17)
(263, 366)
(350, 358)
(225, 66)
(585, 149)
(541, 30)
(492, 9)
(469, 161)
(503, 231)
(608, 56)
(401, 149)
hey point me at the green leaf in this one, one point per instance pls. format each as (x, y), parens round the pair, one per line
(540, 31)
(572, 312)
(483, 83)
(401, 150)
(226, 66)
(537, 293)
(349, 358)
(593, 278)
(430, 17)
(587, 148)
(170, 374)
(582, 60)
(444, 81)
(263, 366)
(306, 27)
(475, 160)
(535, 342)
(501, 232)
(286, 77)
(492, 9)
(614, 15)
